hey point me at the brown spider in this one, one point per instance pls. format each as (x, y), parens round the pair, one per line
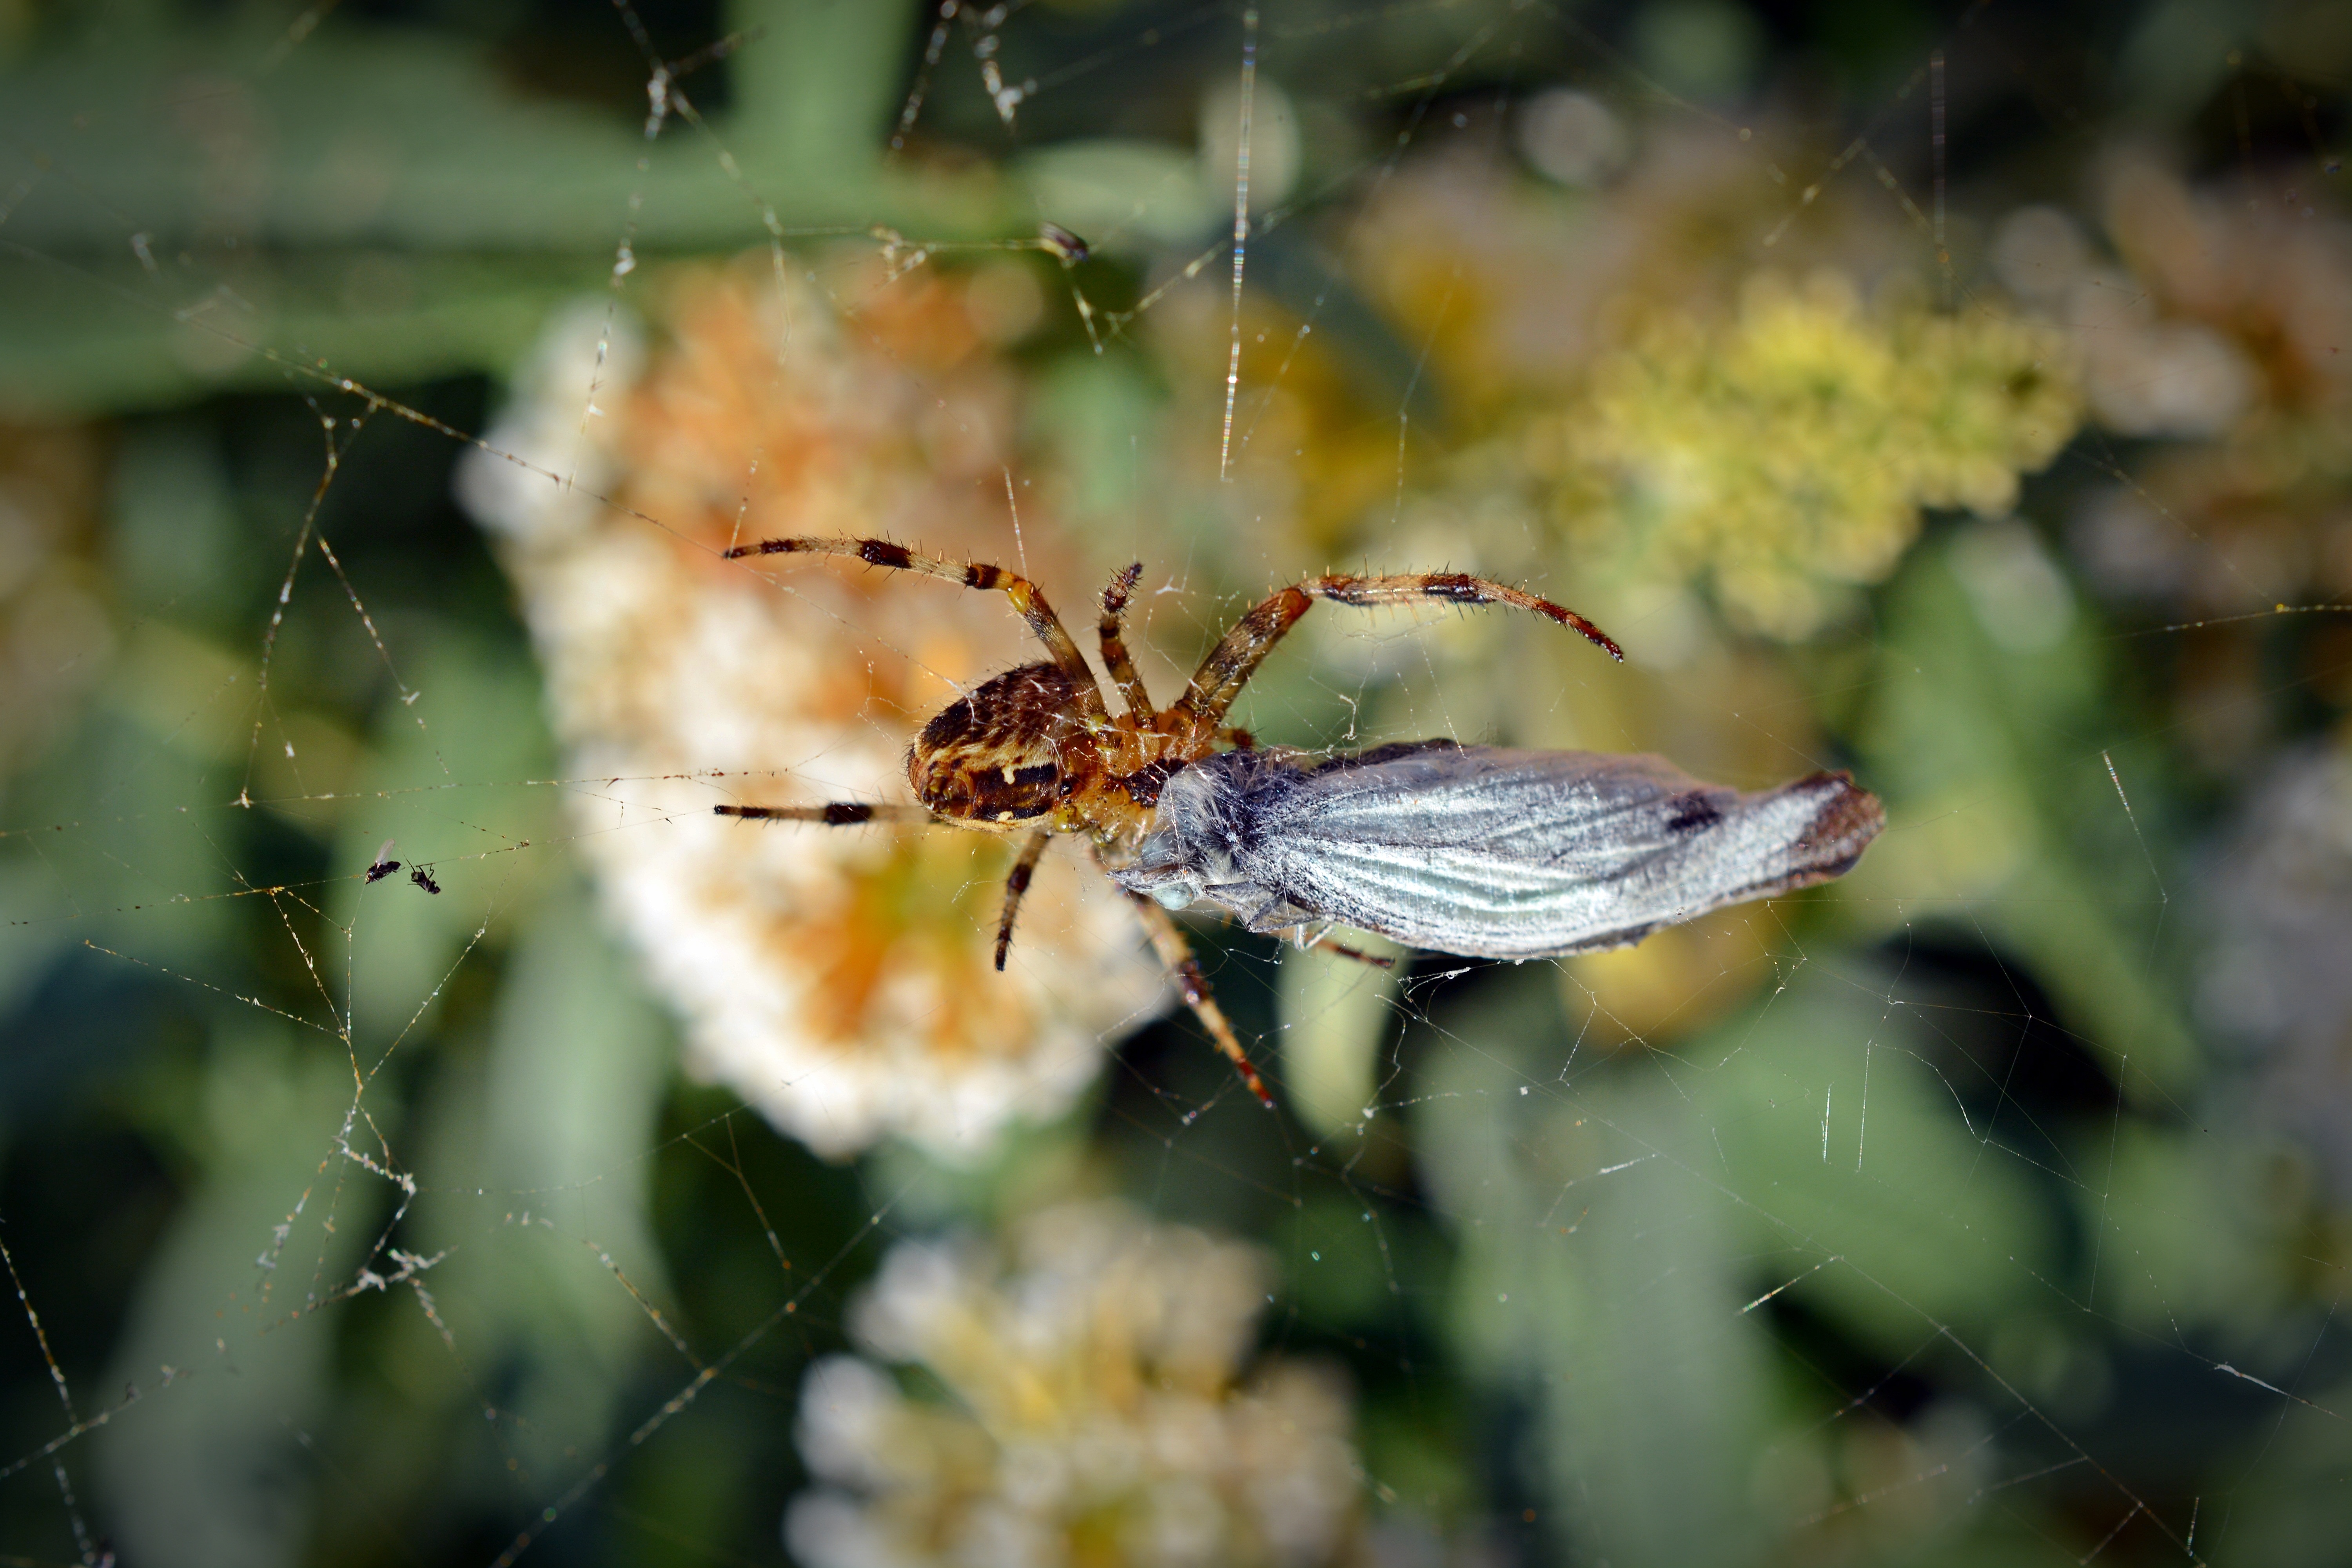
(1036, 752)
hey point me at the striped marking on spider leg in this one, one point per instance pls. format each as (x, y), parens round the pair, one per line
(1456, 588)
(834, 814)
(1235, 659)
(1113, 636)
(1177, 955)
(1016, 885)
(1026, 595)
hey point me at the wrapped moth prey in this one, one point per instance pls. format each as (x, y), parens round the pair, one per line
(1487, 852)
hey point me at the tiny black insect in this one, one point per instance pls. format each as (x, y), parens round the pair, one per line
(384, 865)
(418, 875)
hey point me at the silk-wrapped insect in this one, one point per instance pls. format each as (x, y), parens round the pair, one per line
(1485, 852)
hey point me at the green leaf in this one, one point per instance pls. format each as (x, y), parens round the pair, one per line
(384, 204)
(2005, 819)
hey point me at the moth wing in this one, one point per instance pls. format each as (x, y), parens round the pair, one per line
(1511, 854)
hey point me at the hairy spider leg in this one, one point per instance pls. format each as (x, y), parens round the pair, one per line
(1177, 955)
(1116, 658)
(834, 814)
(1026, 595)
(1234, 660)
(1033, 850)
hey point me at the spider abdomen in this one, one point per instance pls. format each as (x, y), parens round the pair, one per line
(1008, 752)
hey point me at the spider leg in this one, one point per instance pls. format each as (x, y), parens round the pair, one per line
(1177, 955)
(1114, 642)
(1321, 942)
(1234, 660)
(1015, 884)
(1025, 595)
(834, 814)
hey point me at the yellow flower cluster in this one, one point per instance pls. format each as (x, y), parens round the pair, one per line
(1784, 457)
(1097, 1413)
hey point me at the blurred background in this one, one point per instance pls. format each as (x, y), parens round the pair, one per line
(1956, 395)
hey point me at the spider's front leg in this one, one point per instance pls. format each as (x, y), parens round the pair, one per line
(1235, 659)
(1177, 955)
(833, 814)
(1026, 595)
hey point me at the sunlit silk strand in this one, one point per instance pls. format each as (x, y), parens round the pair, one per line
(1241, 235)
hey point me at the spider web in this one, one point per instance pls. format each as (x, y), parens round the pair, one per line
(1990, 1206)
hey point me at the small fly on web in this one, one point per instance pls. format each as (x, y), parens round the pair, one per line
(384, 865)
(424, 878)
(1463, 849)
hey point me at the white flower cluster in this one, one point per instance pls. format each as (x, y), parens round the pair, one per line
(839, 978)
(1099, 1413)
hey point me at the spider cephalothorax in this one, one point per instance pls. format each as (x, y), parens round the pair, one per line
(1037, 752)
